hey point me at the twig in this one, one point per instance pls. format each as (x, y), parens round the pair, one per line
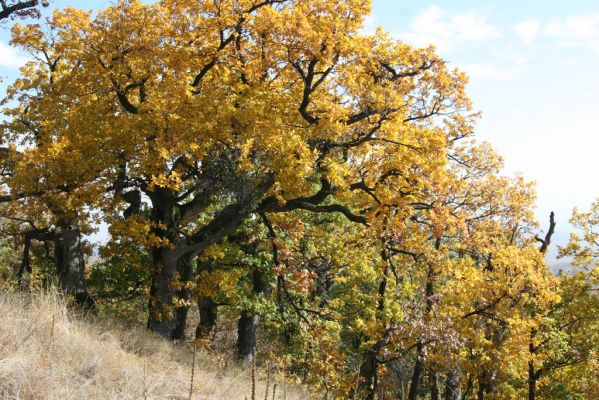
(193, 368)
(253, 378)
(267, 381)
(145, 387)
(52, 328)
(357, 381)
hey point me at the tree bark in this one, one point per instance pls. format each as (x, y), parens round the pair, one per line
(169, 294)
(208, 317)
(486, 383)
(369, 373)
(185, 273)
(166, 214)
(70, 263)
(419, 365)
(247, 327)
(533, 376)
(452, 385)
(434, 386)
(369, 368)
(208, 310)
(532, 381)
(418, 368)
(172, 271)
(21, 8)
(25, 262)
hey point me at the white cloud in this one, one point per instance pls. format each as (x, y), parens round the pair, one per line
(574, 27)
(528, 30)
(575, 30)
(9, 56)
(486, 72)
(447, 32)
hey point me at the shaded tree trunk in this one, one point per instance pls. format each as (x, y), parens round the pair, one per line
(418, 368)
(452, 385)
(486, 383)
(163, 317)
(166, 215)
(170, 295)
(208, 310)
(369, 368)
(25, 261)
(247, 327)
(70, 263)
(369, 373)
(532, 382)
(208, 317)
(533, 377)
(185, 273)
(419, 365)
(434, 386)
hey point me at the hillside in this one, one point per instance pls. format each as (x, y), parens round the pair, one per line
(47, 352)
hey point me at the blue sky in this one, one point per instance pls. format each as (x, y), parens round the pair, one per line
(533, 67)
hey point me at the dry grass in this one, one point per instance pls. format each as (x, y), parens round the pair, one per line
(47, 352)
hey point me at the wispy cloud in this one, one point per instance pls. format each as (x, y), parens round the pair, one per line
(571, 31)
(490, 73)
(577, 30)
(9, 57)
(528, 30)
(497, 52)
(449, 31)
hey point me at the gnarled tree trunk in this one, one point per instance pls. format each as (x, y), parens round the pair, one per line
(169, 274)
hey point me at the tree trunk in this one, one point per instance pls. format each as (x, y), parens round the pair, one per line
(185, 273)
(486, 383)
(208, 309)
(208, 317)
(369, 374)
(452, 385)
(70, 263)
(418, 368)
(169, 294)
(163, 318)
(25, 262)
(480, 394)
(247, 327)
(533, 377)
(171, 271)
(369, 369)
(434, 386)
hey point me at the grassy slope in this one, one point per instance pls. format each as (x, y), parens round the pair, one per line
(48, 353)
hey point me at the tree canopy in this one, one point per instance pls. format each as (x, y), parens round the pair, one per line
(269, 160)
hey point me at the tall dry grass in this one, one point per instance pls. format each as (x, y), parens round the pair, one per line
(49, 352)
